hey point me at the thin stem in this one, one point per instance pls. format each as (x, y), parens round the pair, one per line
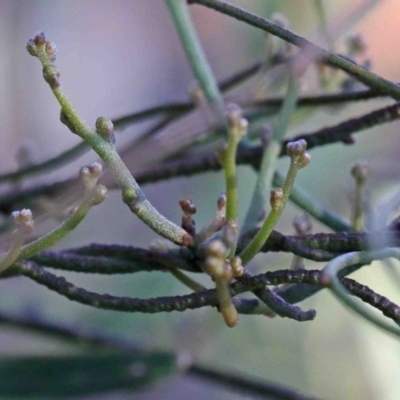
(330, 278)
(228, 161)
(276, 211)
(53, 237)
(195, 54)
(260, 200)
(186, 280)
(160, 304)
(370, 79)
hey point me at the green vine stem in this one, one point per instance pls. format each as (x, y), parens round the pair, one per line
(94, 195)
(298, 159)
(195, 55)
(370, 79)
(237, 129)
(259, 201)
(131, 193)
(321, 12)
(331, 280)
(186, 280)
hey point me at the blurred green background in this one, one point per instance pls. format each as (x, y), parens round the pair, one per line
(117, 57)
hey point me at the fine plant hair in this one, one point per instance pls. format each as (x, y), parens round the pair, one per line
(234, 135)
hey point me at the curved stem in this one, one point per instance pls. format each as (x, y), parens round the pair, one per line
(330, 278)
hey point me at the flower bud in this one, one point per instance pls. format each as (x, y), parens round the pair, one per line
(296, 149)
(233, 115)
(237, 266)
(95, 169)
(99, 194)
(31, 47)
(360, 172)
(128, 195)
(216, 248)
(51, 51)
(276, 198)
(304, 160)
(105, 129)
(187, 206)
(221, 202)
(40, 38)
(23, 219)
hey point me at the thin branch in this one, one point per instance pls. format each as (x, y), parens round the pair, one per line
(194, 300)
(160, 304)
(370, 79)
(259, 203)
(196, 56)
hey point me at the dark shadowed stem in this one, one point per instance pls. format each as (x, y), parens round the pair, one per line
(191, 301)
(280, 306)
(117, 259)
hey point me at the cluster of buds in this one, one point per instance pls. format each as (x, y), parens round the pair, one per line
(217, 266)
(236, 123)
(222, 270)
(89, 176)
(297, 152)
(46, 51)
(23, 220)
